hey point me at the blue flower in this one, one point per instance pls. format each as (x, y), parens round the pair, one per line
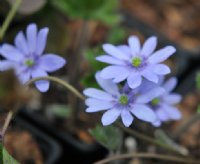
(134, 62)
(27, 58)
(164, 105)
(123, 102)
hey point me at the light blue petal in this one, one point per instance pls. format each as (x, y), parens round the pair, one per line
(150, 75)
(11, 53)
(149, 46)
(107, 85)
(41, 40)
(31, 33)
(110, 116)
(96, 93)
(161, 55)
(170, 84)
(144, 113)
(98, 104)
(21, 43)
(51, 62)
(134, 44)
(115, 52)
(127, 118)
(110, 60)
(161, 69)
(172, 99)
(134, 80)
(42, 85)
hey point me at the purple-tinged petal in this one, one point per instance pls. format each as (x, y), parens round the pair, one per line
(170, 84)
(115, 52)
(21, 43)
(24, 77)
(31, 33)
(161, 55)
(150, 75)
(134, 44)
(98, 104)
(162, 115)
(112, 71)
(127, 118)
(134, 80)
(51, 62)
(6, 64)
(121, 77)
(96, 93)
(161, 69)
(150, 95)
(110, 116)
(125, 49)
(143, 113)
(11, 53)
(42, 85)
(110, 60)
(172, 112)
(93, 109)
(41, 40)
(107, 85)
(156, 123)
(172, 99)
(149, 46)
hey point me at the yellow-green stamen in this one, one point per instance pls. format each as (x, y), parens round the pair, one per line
(29, 62)
(123, 99)
(136, 61)
(155, 101)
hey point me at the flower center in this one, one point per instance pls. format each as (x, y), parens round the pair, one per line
(29, 62)
(123, 99)
(136, 61)
(155, 101)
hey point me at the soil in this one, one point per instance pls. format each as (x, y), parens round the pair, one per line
(177, 20)
(22, 146)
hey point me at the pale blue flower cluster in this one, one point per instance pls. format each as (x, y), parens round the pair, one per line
(27, 59)
(144, 95)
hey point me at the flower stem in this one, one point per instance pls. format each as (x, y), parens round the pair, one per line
(9, 18)
(59, 81)
(148, 155)
(7, 122)
(148, 139)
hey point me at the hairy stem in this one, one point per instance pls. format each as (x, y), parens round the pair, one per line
(9, 18)
(148, 155)
(7, 121)
(59, 81)
(148, 139)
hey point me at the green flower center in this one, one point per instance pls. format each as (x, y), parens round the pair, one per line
(155, 101)
(136, 61)
(123, 99)
(29, 62)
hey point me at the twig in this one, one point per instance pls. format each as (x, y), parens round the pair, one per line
(148, 139)
(9, 18)
(148, 155)
(59, 81)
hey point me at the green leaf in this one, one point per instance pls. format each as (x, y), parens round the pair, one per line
(59, 110)
(102, 10)
(198, 109)
(108, 136)
(116, 35)
(162, 137)
(5, 157)
(198, 80)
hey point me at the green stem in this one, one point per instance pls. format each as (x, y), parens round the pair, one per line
(148, 139)
(59, 81)
(148, 155)
(9, 18)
